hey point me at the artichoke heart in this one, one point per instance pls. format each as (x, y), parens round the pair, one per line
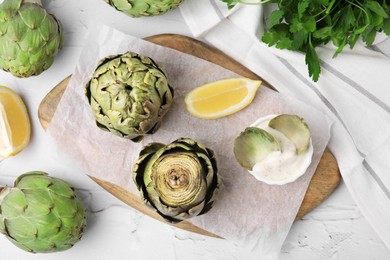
(41, 214)
(138, 8)
(178, 180)
(29, 37)
(129, 95)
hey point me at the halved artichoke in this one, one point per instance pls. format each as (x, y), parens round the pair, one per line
(41, 214)
(137, 8)
(178, 180)
(129, 95)
(29, 37)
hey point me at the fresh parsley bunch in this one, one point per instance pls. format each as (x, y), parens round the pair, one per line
(302, 25)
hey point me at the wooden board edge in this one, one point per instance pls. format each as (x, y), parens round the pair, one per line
(181, 43)
(318, 181)
(135, 202)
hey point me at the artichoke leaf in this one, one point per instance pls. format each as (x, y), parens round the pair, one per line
(39, 202)
(253, 145)
(21, 230)
(151, 148)
(39, 245)
(23, 246)
(16, 30)
(46, 226)
(32, 16)
(39, 180)
(294, 128)
(61, 188)
(14, 204)
(210, 168)
(9, 9)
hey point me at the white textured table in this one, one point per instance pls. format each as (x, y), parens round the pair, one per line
(335, 230)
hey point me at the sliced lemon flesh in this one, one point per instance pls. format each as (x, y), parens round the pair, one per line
(221, 98)
(15, 128)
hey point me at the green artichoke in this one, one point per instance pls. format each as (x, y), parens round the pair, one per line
(137, 8)
(29, 37)
(179, 180)
(41, 214)
(129, 95)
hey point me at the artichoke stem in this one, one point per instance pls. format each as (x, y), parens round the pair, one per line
(38, 2)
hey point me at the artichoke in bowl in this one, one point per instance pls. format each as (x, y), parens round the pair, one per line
(129, 95)
(41, 214)
(138, 8)
(179, 180)
(29, 37)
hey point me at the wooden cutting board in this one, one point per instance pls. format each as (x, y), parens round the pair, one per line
(323, 183)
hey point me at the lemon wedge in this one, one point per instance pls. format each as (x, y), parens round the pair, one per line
(15, 128)
(221, 98)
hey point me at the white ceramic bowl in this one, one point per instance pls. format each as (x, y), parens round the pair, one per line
(292, 176)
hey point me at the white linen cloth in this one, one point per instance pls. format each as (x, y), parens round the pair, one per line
(353, 90)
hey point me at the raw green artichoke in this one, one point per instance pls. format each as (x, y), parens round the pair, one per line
(29, 37)
(129, 95)
(179, 180)
(137, 8)
(41, 214)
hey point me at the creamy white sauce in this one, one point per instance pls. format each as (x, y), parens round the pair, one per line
(281, 167)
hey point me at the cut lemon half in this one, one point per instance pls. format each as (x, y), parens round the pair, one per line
(221, 98)
(15, 128)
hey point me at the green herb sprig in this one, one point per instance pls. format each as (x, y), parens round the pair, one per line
(302, 25)
(232, 3)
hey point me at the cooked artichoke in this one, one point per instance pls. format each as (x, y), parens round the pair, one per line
(137, 8)
(129, 95)
(41, 214)
(29, 37)
(178, 180)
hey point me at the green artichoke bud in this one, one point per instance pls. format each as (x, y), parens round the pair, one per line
(41, 214)
(129, 95)
(29, 37)
(137, 8)
(178, 180)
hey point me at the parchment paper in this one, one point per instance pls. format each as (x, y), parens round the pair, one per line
(248, 212)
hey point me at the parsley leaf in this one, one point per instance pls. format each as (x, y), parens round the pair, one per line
(230, 3)
(376, 8)
(276, 17)
(313, 62)
(302, 6)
